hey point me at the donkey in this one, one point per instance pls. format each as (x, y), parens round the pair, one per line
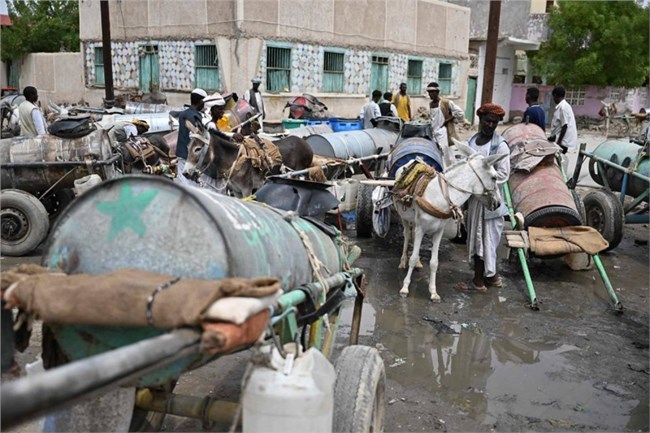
(217, 156)
(474, 175)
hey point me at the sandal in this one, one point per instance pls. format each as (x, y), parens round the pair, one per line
(494, 281)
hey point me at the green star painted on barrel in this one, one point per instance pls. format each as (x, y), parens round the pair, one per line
(126, 211)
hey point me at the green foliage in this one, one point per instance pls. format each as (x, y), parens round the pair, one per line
(600, 43)
(40, 26)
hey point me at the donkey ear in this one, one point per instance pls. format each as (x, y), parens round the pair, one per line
(464, 148)
(191, 127)
(494, 159)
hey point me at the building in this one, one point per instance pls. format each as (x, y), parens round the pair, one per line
(338, 50)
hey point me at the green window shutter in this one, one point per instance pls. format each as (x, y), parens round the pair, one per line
(333, 74)
(206, 62)
(149, 69)
(278, 69)
(444, 78)
(414, 77)
(99, 66)
(379, 74)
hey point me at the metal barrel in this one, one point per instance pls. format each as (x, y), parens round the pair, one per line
(153, 224)
(306, 131)
(158, 122)
(523, 132)
(142, 107)
(352, 144)
(410, 149)
(543, 197)
(623, 153)
(55, 151)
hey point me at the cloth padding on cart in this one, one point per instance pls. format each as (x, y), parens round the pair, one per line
(565, 240)
(125, 297)
(223, 337)
(237, 310)
(526, 155)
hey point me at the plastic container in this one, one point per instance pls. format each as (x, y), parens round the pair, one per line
(314, 122)
(85, 183)
(345, 124)
(348, 197)
(285, 398)
(293, 123)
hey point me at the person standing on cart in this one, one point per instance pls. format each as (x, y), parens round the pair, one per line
(484, 227)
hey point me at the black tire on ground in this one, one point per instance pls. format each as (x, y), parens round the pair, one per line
(580, 206)
(605, 213)
(552, 216)
(24, 222)
(364, 211)
(359, 391)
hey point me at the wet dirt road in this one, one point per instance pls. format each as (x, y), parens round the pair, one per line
(484, 361)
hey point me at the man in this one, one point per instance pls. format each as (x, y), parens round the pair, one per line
(219, 123)
(564, 131)
(370, 112)
(534, 113)
(484, 227)
(193, 115)
(386, 107)
(402, 102)
(31, 120)
(443, 115)
(254, 97)
(122, 131)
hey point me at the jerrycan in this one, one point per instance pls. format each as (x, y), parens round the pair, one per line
(290, 395)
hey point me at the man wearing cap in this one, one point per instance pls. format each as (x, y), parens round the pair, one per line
(193, 115)
(443, 115)
(484, 227)
(219, 123)
(122, 131)
(254, 97)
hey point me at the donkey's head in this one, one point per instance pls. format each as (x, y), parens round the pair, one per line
(199, 153)
(483, 183)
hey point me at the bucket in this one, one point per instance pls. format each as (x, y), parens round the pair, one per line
(85, 183)
(542, 197)
(280, 398)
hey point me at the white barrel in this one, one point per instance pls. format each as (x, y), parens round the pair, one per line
(284, 400)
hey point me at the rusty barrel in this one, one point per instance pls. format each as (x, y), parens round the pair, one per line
(541, 195)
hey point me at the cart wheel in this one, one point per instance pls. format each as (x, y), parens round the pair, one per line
(364, 211)
(580, 206)
(359, 391)
(24, 222)
(605, 213)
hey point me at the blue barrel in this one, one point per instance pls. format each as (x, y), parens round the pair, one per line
(412, 148)
(149, 223)
(626, 154)
(352, 144)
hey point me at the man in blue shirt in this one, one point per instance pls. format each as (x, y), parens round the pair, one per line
(534, 113)
(193, 114)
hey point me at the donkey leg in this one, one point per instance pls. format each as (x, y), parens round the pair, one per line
(415, 257)
(433, 265)
(405, 249)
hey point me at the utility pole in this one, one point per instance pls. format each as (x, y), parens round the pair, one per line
(109, 99)
(491, 51)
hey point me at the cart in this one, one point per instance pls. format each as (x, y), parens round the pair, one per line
(226, 238)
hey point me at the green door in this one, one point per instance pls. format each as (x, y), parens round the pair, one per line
(149, 69)
(471, 99)
(379, 74)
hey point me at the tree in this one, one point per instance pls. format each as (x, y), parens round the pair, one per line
(40, 26)
(600, 43)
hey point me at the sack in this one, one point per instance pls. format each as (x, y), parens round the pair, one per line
(72, 128)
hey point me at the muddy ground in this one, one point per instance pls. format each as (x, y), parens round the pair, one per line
(485, 361)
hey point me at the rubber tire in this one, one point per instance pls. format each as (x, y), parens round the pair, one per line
(365, 209)
(604, 212)
(540, 218)
(38, 223)
(580, 206)
(359, 391)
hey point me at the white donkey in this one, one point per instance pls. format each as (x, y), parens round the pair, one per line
(445, 194)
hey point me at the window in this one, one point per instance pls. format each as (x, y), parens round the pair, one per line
(99, 66)
(379, 74)
(444, 78)
(575, 96)
(414, 77)
(333, 77)
(278, 69)
(149, 68)
(206, 64)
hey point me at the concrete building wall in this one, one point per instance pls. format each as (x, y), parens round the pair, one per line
(57, 76)
(538, 27)
(513, 21)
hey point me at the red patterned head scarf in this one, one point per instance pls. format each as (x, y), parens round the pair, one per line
(489, 108)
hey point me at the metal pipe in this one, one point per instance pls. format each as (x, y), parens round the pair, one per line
(44, 392)
(203, 408)
(608, 285)
(356, 319)
(44, 164)
(297, 297)
(628, 170)
(107, 54)
(323, 166)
